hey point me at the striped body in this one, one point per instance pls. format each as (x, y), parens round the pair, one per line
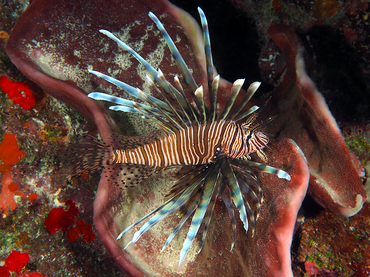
(194, 145)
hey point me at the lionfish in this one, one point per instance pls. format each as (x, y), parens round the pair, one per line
(212, 148)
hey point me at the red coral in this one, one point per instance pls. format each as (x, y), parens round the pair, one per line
(19, 92)
(13, 187)
(7, 195)
(81, 228)
(311, 268)
(4, 271)
(10, 154)
(33, 197)
(16, 261)
(61, 219)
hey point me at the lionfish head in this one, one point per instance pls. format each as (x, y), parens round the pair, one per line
(262, 138)
(255, 139)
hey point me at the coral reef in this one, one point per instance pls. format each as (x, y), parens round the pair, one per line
(42, 186)
(19, 92)
(325, 248)
(15, 263)
(32, 160)
(61, 219)
(43, 130)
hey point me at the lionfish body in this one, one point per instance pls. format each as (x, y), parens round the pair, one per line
(212, 149)
(194, 145)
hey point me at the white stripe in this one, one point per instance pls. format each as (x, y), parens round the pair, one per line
(200, 141)
(131, 156)
(163, 144)
(189, 135)
(141, 156)
(148, 154)
(157, 158)
(175, 154)
(184, 150)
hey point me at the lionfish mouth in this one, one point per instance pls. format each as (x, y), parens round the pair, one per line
(210, 147)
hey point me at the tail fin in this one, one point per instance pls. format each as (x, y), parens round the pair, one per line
(90, 154)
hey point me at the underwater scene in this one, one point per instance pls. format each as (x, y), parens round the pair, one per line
(184, 138)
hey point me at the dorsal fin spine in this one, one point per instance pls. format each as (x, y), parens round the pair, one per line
(250, 91)
(207, 49)
(237, 85)
(189, 80)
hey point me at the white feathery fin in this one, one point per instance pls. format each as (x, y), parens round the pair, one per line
(189, 112)
(175, 53)
(264, 168)
(131, 90)
(207, 49)
(171, 122)
(172, 93)
(142, 219)
(159, 214)
(250, 91)
(236, 194)
(209, 212)
(136, 110)
(237, 85)
(200, 96)
(209, 185)
(226, 198)
(213, 98)
(168, 209)
(179, 198)
(184, 218)
(169, 90)
(164, 110)
(246, 181)
(126, 109)
(178, 84)
(175, 97)
(123, 104)
(189, 80)
(147, 66)
(184, 104)
(155, 74)
(252, 222)
(117, 100)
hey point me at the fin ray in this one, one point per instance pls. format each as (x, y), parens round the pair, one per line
(237, 85)
(235, 191)
(189, 80)
(250, 92)
(265, 168)
(210, 182)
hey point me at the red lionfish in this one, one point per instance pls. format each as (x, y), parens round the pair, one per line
(212, 148)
